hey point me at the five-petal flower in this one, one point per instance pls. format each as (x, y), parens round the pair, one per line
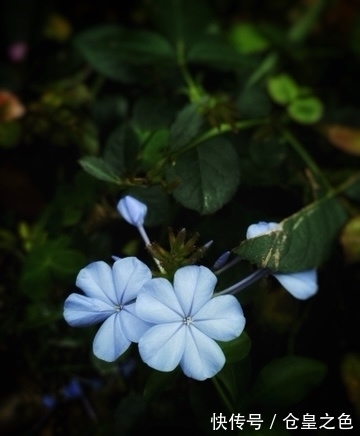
(110, 294)
(301, 285)
(187, 322)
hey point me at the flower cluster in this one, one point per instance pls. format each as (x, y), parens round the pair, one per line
(175, 322)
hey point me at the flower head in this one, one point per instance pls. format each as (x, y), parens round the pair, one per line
(132, 210)
(301, 285)
(110, 294)
(187, 322)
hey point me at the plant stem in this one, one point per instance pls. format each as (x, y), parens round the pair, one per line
(300, 150)
(216, 131)
(244, 283)
(222, 394)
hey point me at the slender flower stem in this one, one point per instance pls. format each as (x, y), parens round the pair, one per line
(227, 266)
(244, 283)
(300, 150)
(146, 239)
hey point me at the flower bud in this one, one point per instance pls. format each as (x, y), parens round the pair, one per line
(132, 210)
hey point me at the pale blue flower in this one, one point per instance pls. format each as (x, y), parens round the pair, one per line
(187, 322)
(110, 294)
(132, 210)
(301, 285)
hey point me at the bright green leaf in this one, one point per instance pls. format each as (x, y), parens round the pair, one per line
(286, 381)
(246, 38)
(206, 177)
(98, 168)
(282, 89)
(304, 241)
(306, 110)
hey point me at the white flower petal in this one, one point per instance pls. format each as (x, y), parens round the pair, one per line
(162, 346)
(96, 281)
(193, 286)
(82, 311)
(157, 302)
(130, 274)
(132, 210)
(301, 285)
(203, 357)
(221, 318)
(110, 341)
(261, 228)
(132, 326)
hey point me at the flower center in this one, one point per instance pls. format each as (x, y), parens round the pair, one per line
(187, 320)
(118, 308)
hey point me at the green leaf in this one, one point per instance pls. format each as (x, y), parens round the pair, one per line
(237, 349)
(130, 411)
(268, 152)
(158, 382)
(304, 241)
(10, 133)
(182, 21)
(98, 168)
(306, 110)
(186, 126)
(213, 51)
(282, 89)
(52, 260)
(122, 150)
(286, 381)
(151, 113)
(206, 176)
(254, 102)
(156, 200)
(108, 48)
(246, 38)
(153, 149)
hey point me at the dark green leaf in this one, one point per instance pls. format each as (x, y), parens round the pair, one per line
(187, 125)
(214, 51)
(122, 150)
(207, 176)
(98, 168)
(267, 152)
(130, 410)
(156, 200)
(254, 102)
(153, 149)
(182, 21)
(304, 241)
(108, 48)
(158, 382)
(286, 381)
(52, 260)
(237, 349)
(152, 113)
